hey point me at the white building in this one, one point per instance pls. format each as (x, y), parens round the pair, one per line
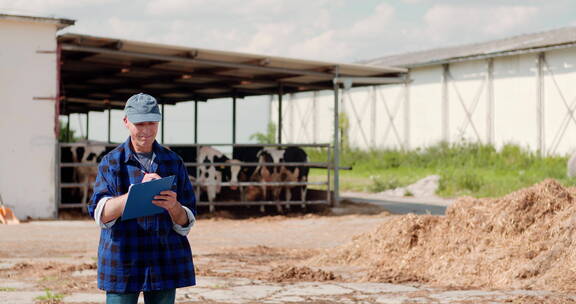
(517, 90)
(28, 88)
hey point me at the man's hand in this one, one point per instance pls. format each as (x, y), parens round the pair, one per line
(150, 176)
(167, 200)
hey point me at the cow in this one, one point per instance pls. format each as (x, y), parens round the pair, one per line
(215, 168)
(282, 173)
(86, 153)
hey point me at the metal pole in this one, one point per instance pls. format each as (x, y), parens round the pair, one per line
(315, 117)
(490, 101)
(373, 116)
(540, 105)
(57, 173)
(280, 89)
(407, 112)
(445, 114)
(291, 129)
(109, 124)
(336, 141)
(163, 125)
(234, 119)
(87, 124)
(195, 121)
(68, 137)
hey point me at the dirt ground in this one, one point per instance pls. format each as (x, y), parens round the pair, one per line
(255, 259)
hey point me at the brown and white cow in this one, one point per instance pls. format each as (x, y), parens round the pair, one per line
(282, 173)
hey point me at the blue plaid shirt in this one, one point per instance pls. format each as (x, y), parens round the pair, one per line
(142, 254)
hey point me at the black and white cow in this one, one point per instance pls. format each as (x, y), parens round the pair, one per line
(216, 168)
(86, 153)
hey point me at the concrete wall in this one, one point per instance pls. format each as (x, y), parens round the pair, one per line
(27, 159)
(460, 109)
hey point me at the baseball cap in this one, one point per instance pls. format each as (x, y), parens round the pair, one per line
(141, 108)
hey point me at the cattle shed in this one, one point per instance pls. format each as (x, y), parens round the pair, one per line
(517, 90)
(52, 75)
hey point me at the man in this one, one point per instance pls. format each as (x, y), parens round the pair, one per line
(149, 254)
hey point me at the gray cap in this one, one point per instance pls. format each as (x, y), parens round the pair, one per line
(141, 108)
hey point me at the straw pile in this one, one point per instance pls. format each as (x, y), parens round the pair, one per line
(523, 240)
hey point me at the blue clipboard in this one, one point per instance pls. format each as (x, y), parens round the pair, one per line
(140, 196)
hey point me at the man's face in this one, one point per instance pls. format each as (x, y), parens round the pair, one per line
(142, 134)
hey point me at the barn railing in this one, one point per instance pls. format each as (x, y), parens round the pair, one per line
(68, 191)
(313, 196)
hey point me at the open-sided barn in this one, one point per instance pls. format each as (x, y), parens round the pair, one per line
(45, 75)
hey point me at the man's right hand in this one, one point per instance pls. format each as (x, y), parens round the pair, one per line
(150, 176)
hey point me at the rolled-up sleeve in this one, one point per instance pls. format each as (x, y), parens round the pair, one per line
(103, 187)
(98, 214)
(184, 230)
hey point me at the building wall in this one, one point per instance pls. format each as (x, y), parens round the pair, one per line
(27, 160)
(515, 101)
(559, 96)
(430, 110)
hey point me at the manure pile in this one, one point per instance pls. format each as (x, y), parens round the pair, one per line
(522, 240)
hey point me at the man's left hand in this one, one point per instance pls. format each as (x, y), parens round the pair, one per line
(167, 200)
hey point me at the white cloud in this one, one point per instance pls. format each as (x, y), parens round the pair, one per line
(326, 46)
(375, 23)
(255, 9)
(312, 36)
(162, 7)
(270, 38)
(119, 27)
(443, 22)
(40, 7)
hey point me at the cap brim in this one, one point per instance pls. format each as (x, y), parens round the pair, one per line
(138, 118)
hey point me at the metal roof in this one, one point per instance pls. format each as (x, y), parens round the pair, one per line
(97, 72)
(527, 43)
(59, 22)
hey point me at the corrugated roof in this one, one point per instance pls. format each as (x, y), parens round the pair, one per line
(535, 42)
(98, 72)
(59, 22)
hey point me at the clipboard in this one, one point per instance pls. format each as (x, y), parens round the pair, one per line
(140, 196)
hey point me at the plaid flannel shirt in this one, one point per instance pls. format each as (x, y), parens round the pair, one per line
(142, 254)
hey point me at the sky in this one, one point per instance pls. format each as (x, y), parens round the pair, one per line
(328, 30)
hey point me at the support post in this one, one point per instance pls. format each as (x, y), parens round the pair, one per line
(234, 119)
(336, 141)
(372, 93)
(540, 105)
(87, 124)
(315, 117)
(445, 109)
(109, 123)
(407, 112)
(280, 93)
(68, 137)
(163, 125)
(490, 103)
(195, 121)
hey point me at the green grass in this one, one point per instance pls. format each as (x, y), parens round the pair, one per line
(50, 297)
(465, 169)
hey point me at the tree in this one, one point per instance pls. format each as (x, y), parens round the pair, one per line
(266, 138)
(64, 136)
